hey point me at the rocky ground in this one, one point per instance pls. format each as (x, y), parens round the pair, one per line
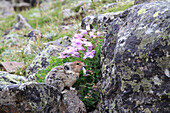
(134, 58)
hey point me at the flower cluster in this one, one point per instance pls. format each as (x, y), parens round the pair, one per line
(80, 45)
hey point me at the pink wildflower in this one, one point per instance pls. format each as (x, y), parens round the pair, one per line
(76, 42)
(63, 55)
(89, 48)
(98, 33)
(83, 31)
(78, 36)
(92, 35)
(93, 30)
(70, 50)
(75, 54)
(84, 71)
(89, 54)
(89, 44)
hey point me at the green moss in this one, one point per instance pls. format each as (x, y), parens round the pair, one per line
(120, 7)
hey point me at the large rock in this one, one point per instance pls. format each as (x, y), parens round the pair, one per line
(10, 79)
(135, 61)
(62, 42)
(21, 23)
(11, 40)
(41, 61)
(108, 6)
(71, 103)
(6, 9)
(102, 20)
(19, 96)
(142, 1)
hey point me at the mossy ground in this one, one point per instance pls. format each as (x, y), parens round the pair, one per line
(49, 22)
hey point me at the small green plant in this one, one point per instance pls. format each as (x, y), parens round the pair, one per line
(119, 7)
(85, 47)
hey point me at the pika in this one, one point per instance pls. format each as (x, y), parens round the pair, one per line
(65, 75)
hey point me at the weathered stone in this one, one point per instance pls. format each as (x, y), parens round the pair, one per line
(111, 5)
(71, 103)
(41, 61)
(6, 9)
(34, 35)
(28, 49)
(21, 23)
(62, 42)
(21, 6)
(67, 27)
(50, 35)
(135, 61)
(45, 5)
(33, 38)
(20, 96)
(68, 13)
(29, 98)
(10, 79)
(142, 1)
(102, 20)
(11, 40)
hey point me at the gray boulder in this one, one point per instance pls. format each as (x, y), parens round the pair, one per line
(62, 42)
(10, 79)
(41, 61)
(71, 103)
(34, 35)
(21, 23)
(101, 21)
(6, 9)
(29, 98)
(108, 6)
(135, 61)
(17, 95)
(11, 40)
(142, 1)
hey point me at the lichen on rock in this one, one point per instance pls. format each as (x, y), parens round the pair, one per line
(29, 97)
(135, 74)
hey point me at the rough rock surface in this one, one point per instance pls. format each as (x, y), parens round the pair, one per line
(41, 61)
(142, 1)
(21, 23)
(6, 9)
(29, 98)
(62, 42)
(9, 79)
(102, 20)
(72, 104)
(136, 75)
(68, 13)
(11, 40)
(34, 35)
(17, 95)
(111, 5)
